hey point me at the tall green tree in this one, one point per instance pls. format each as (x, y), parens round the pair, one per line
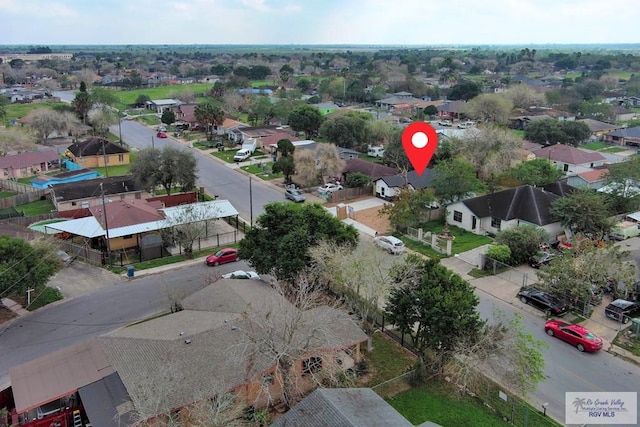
(436, 307)
(307, 119)
(536, 172)
(168, 117)
(280, 242)
(455, 180)
(167, 168)
(623, 181)
(349, 130)
(585, 211)
(286, 147)
(285, 165)
(410, 208)
(209, 115)
(25, 265)
(523, 242)
(82, 103)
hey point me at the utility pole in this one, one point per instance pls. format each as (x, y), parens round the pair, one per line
(153, 142)
(104, 159)
(250, 201)
(29, 296)
(106, 224)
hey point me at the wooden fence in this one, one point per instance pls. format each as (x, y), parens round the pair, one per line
(350, 193)
(26, 194)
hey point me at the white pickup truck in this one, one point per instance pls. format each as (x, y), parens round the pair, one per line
(242, 155)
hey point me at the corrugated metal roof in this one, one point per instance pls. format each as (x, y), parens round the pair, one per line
(89, 227)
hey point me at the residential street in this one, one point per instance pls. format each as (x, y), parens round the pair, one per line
(218, 178)
(112, 303)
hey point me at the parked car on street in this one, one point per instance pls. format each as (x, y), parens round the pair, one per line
(329, 188)
(543, 258)
(543, 301)
(161, 135)
(391, 244)
(294, 195)
(223, 256)
(575, 335)
(622, 310)
(241, 274)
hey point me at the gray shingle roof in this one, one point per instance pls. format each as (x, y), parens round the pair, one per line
(526, 203)
(598, 126)
(342, 407)
(416, 181)
(91, 188)
(633, 132)
(567, 154)
(228, 325)
(95, 146)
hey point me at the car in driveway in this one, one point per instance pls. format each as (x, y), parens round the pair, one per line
(329, 188)
(294, 195)
(391, 244)
(65, 258)
(544, 301)
(576, 335)
(242, 155)
(161, 135)
(241, 274)
(622, 310)
(543, 258)
(223, 256)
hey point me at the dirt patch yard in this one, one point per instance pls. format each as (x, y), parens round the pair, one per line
(369, 217)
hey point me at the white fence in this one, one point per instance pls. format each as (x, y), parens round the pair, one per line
(440, 244)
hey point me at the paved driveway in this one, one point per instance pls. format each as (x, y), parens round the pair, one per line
(79, 278)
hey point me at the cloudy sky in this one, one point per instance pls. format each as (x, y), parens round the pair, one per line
(377, 22)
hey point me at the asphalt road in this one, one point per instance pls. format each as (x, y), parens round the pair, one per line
(566, 368)
(215, 176)
(122, 302)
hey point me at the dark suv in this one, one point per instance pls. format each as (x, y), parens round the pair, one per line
(622, 310)
(543, 301)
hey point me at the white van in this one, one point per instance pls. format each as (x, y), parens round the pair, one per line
(375, 152)
(242, 155)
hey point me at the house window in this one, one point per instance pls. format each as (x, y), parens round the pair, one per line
(74, 203)
(128, 236)
(457, 216)
(85, 204)
(382, 190)
(120, 158)
(495, 222)
(311, 365)
(565, 167)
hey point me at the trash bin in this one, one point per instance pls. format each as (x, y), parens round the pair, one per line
(130, 271)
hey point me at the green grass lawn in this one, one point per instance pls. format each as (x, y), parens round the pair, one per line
(36, 208)
(434, 403)
(5, 194)
(364, 156)
(260, 83)
(597, 146)
(386, 361)
(518, 133)
(18, 111)
(226, 155)
(464, 240)
(263, 171)
(128, 97)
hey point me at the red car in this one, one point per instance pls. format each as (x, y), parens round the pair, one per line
(223, 256)
(575, 335)
(161, 135)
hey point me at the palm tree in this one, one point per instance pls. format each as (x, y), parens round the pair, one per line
(210, 115)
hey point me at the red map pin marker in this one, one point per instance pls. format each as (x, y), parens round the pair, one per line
(419, 140)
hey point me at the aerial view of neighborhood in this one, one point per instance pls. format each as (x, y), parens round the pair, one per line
(237, 235)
